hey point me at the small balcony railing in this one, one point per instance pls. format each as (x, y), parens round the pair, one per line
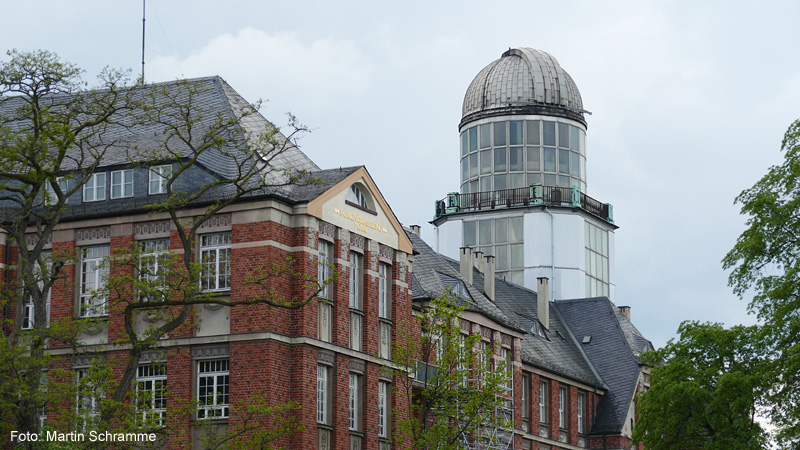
(534, 195)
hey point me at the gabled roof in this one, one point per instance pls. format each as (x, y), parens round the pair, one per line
(128, 138)
(613, 348)
(433, 274)
(513, 305)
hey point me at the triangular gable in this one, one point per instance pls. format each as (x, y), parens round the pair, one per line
(379, 224)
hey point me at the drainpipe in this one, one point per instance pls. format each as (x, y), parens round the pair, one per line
(552, 254)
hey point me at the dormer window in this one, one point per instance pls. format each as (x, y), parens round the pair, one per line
(356, 196)
(122, 183)
(95, 188)
(158, 179)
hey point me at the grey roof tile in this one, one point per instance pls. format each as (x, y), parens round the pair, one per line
(613, 350)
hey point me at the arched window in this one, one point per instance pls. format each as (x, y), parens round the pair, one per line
(358, 197)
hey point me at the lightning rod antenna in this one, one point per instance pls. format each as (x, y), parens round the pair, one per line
(143, 20)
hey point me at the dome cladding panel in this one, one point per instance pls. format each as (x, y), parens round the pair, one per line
(522, 76)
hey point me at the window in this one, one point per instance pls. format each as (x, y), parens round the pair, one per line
(95, 188)
(384, 310)
(323, 395)
(530, 148)
(543, 391)
(87, 400)
(93, 275)
(596, 243)
(357, 197)
(356, 302)
(50, 194)
(384, 293)
(212, 389)
(562, 407)
(28, 307)
(215, 257)
(354, 403)
(324, 269)
(158, 179)
(153, 265)
(324, 329)
(581, 409)
(151, 394)
(506, 356)
(502, 238)
(526, 397)
(122, 183)
(384, 409)
(355, 281)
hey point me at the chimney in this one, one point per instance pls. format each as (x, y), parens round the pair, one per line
(626, 311)
(488, 277)
(415, 229)
(477, 260)
(466, 264)
(543, 297)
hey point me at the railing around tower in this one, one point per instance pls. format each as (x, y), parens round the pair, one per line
(533, 195)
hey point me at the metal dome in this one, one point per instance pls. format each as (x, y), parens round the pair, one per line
(523, 81)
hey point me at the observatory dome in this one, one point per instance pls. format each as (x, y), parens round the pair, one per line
(523, 81)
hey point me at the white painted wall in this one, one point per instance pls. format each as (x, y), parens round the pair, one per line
(554, 247)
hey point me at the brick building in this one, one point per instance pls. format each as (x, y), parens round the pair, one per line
(329, 356)
(575, 361)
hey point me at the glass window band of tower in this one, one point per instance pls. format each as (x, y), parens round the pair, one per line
(508, 154)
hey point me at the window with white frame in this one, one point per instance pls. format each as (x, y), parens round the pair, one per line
(502, 238)
(323, 394)
(384, 291)
(151, 394)
(384, 409)
(153, 265)
(95, 188)
(93, 276)
(526, 397)
(212, 389)
(562, 407)
(50, 194)
(159, 175)
(357, 197)
(597, 277)
(356, 302)
(324, 269)
(581, 412)
(41, 269)
(543, 395)
(354, 403)
(122, 183)
(385, 345)
(356, 280)
(87, 399)
(506, 356)
(325, 306)
(215, 257)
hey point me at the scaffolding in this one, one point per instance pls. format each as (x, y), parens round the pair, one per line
(495, 436)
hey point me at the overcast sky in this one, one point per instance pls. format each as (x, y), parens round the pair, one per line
(689, 103)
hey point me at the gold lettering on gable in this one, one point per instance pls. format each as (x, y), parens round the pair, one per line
(360, 223)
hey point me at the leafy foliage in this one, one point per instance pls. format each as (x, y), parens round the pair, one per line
(706, 389)
(51, 142)
(458, 389)
(766, 262)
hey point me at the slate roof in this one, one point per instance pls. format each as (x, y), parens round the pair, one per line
(514, 306)
(434, 273)
(613, 350)
(608, 362)
(130, 139)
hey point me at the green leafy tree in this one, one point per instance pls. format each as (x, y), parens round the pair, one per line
(54, 123)
(766, 262)
(706, 389)
(458, 392)
(50, 145)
